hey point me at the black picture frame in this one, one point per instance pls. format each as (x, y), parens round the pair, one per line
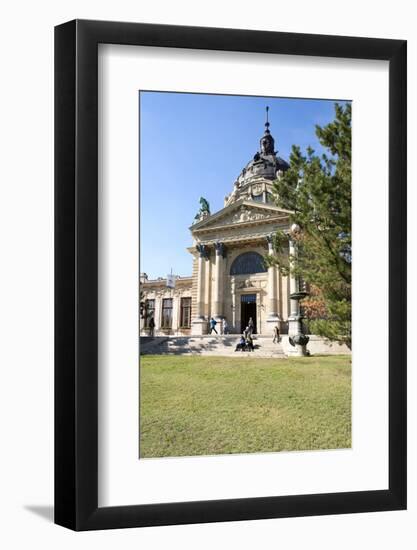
(76, 272)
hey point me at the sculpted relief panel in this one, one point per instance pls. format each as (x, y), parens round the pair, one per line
(247, 214)
(244, 214)
(247, 283)
(257, 189)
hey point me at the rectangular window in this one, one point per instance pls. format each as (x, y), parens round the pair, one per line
(185, 312)
(248, 298)
(149, 311)
(166, 321)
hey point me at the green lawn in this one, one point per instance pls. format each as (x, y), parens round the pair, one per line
(209, 405)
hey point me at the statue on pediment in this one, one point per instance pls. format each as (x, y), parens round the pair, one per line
(204, 211)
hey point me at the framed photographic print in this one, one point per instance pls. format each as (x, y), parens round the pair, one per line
(230, 247)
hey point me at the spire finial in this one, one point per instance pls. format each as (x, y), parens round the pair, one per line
(267, 120)
(267, 141)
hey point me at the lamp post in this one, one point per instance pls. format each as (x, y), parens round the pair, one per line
(296, 336)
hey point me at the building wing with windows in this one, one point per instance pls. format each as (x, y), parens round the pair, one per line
(229, 280)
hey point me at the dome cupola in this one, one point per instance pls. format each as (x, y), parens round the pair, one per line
(255, 180)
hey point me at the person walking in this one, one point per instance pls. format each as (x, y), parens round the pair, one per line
(225, 327)
(251, 325)
(213, 324)
(277, 336)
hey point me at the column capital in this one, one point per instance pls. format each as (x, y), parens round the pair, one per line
(203, 251)
(220, 249)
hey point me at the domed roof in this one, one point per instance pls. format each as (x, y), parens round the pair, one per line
(262, 166)
(265, 164)
(255, 180)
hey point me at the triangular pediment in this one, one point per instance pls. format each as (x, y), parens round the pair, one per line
(241, 212)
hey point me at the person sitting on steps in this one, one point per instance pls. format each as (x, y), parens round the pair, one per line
(240, 346)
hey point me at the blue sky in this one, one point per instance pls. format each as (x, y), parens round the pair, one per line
(194, 145)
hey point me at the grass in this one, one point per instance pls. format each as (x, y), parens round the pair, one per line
(217, 405)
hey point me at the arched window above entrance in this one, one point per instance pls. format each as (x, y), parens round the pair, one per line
(247, 263)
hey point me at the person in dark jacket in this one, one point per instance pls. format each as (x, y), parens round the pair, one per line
(213, 324)
(240, 346)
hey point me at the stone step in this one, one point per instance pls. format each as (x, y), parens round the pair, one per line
(208, 345)
(224, 345)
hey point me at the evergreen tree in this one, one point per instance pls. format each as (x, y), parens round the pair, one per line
(317, 190)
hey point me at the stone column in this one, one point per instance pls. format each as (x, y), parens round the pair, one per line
(157, 313)
(200, 280)
(175, 312)
(199, 324)
(233, 290)
(273, 316)
(218, 282)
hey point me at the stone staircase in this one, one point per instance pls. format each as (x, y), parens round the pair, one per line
(208, 345)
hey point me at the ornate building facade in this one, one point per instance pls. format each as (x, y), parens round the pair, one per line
(229, 280)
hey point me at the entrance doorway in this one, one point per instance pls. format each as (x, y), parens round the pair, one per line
(247, 310)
